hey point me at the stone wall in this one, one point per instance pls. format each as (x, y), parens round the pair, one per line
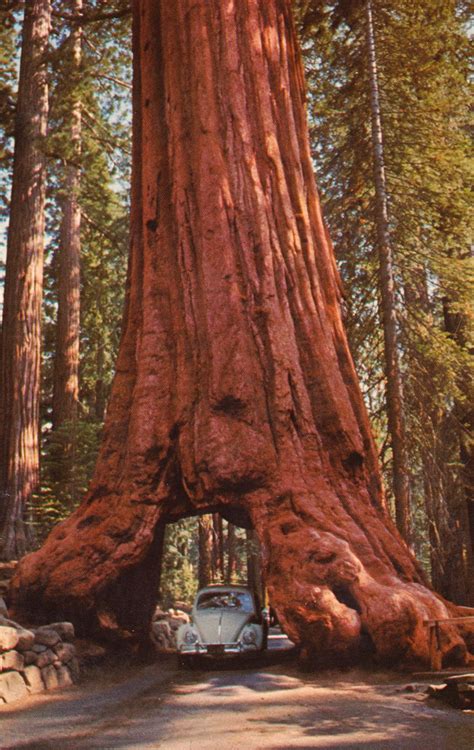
(164, 628)
(36, 659)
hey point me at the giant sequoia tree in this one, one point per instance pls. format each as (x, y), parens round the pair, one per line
(235, 390)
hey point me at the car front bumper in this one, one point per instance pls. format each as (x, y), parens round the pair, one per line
(217, 649)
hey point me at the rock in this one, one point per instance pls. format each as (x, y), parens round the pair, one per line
(29, 657)
(45, 658)
(12, 687)
(65, 630)
(412, 688)
(39, 649)
(26, 639)
(163, 635)
(64, 677)
(33, 679)
(3, 607)
(90, 652)
(159, 614)
(177, 615)
(176, 622)
(45, 636)
(9, 637)
(9, 623)
(50, 677)
(74, 669)
(65, 652)
(11, 660)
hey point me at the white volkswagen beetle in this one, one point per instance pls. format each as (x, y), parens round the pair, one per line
(224, 620)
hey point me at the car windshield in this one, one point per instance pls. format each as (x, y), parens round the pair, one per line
(234, 600)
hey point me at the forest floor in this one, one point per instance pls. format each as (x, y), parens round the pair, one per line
(265, 705)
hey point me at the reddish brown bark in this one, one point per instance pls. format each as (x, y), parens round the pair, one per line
(21, 327)
(218, 564)
(66, 363)
(231, 569)
(234, 388)
(205, 576)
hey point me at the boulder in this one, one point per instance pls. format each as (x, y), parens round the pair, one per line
(11, 660)
(29, 657)
(9, 637)
(163, 636)
(65, 652)
(65, 630)
(50, 677)
(45, 658)
(33, 679)
(74, 669)
(177, 615)
(159, 614)
(175, 622)
(12, 687)
(64, 677)
(46, 636)
(26, 639)
(38, 648)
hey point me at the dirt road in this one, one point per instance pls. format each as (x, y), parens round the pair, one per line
(266, 706)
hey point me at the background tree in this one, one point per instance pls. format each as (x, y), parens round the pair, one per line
(21, 325)
(102, 89)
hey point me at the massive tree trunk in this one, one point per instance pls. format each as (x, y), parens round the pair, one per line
(21, 328)
(235, 389)
(395, 407)
(66, 362)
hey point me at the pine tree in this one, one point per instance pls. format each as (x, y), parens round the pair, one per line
(422, 83)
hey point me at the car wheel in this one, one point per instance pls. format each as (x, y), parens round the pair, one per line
(187, 661)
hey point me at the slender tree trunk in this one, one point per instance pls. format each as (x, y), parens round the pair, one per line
(460, 426)
(218, 567)
(21, 328)
(66, 363)
(231, 571)
(234, 387)
(395, 410)
(254, 572)
(205, 551)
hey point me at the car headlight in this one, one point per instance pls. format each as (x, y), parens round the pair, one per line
(190, 637)
(249, 636)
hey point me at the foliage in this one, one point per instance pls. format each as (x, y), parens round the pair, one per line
(422, 61)
(56, 499)
(180, 561)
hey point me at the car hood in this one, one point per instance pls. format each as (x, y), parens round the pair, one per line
(221, 626)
